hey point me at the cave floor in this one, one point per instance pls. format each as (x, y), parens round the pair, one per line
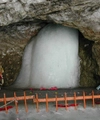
(90, 113)
(51, 93)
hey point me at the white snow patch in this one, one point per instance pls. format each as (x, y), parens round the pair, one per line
(71, 114)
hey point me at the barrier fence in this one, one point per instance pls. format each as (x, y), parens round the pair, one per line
(36, 100)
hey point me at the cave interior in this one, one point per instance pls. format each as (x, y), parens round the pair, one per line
(11, 60)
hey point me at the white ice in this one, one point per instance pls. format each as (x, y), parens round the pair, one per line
(71, 114)
(51, 59)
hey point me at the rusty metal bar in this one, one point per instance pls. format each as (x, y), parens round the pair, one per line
(18, 98)
(65, 96)
(93, 104)
(16, 103)
(68, 98)
(75, 100)
(37, 103)
(33, 99)
(84, 99)
(49, 99)
(5, 103)
(26, 108)
(56, 99)
(47, 102)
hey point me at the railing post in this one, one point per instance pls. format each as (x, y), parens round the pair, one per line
(66, 103)
(26, 108)
(16, 102)
(37, 103)
(46, 102)
(75, 100)
(93, 104)
(5, 103)
(56, 103)
(84, 99)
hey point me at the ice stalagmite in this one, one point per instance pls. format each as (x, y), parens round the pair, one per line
(51, 59)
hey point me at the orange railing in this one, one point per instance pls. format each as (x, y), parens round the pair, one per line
(56, 99)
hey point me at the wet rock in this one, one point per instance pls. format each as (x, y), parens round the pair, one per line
(13, 39)
(87, 63)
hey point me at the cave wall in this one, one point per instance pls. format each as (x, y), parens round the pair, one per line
(22, 19)
(88, 63)
(13, 39)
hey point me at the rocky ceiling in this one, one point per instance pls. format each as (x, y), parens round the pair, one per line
(22, 19)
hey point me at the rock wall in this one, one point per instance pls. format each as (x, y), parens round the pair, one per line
(22, 19)
(13, 39)
(87, 63)
(81, 14)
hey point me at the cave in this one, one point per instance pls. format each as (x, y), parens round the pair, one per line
(21, 21)
(58, 67)
(13, 56)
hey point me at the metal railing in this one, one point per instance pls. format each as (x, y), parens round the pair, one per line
(36, 100)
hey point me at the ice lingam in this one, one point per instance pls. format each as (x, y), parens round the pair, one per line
(50, 59)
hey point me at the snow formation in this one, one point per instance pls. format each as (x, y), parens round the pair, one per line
(51, 59)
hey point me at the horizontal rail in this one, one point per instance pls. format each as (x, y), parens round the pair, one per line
(68, 98)
(17, 98)
(49, 99)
